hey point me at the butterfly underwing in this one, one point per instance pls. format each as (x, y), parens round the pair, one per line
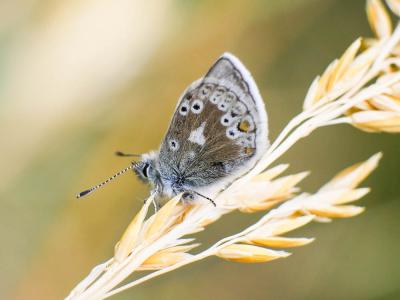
(218, 132)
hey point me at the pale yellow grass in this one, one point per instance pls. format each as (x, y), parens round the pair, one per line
(361, 88)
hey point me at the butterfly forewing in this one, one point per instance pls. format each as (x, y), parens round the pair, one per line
(218, 131)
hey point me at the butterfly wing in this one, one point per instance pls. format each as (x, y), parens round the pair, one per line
(218, 132)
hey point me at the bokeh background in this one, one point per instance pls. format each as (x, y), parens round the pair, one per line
(81, 79)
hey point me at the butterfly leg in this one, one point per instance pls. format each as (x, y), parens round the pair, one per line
(156, 206)
(155, 194)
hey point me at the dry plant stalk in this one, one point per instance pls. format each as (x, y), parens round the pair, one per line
(361, 88)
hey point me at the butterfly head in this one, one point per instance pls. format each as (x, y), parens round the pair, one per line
(146, 169)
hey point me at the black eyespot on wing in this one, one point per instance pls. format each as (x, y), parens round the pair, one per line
(173, 144)
(197, 106)
(184, 108)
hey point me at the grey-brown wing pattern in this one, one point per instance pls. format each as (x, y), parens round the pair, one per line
(218, 129)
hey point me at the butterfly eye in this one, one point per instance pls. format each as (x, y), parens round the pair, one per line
(184, 108)
(173, 145)
(145, 170)
(197, 106)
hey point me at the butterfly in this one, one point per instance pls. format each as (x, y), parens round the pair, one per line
(218, 132)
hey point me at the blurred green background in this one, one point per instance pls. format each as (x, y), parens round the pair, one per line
(81, 79)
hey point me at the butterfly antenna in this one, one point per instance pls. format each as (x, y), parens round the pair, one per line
(86, 192)
(205, 197)
(123, 154)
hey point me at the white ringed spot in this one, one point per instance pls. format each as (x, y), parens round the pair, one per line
(184, 108)
(173, 144)
(232, 133)
(197, 106)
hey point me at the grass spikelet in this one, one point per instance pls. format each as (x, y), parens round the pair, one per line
(311, 96)
(343, 211)
(280, 226)
(162, 260)
(345, 61)
(259, 196)
(394, 5)
(164, 218)
(377, 121)
(249, 254)
(360, 65)
(352, 195)
(271, 173)
(167, 257)
(353, 175)
(343, 195)
(131, 234)
(386, 103)
(379, 19)
(361, 88)
(324, 83)
(278, 241)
